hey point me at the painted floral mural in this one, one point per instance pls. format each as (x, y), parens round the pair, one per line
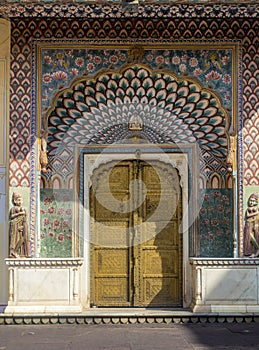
(56, 223)
(216, 223)
(213, 68)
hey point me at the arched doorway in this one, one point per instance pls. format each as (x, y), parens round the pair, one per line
(139, 102)
(135, 239)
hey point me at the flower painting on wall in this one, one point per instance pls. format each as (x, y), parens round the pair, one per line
(216, 223)
(55, 223)
(212, 67)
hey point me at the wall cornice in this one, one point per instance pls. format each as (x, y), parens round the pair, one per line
(217, 262)
(45, 263)
(115, 10)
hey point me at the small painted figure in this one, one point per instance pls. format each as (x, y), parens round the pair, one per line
(43, 154)
(251, 229)
(136, 53)
(135, 123)
(18, 229)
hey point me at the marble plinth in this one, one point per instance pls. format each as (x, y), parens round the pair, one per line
(225, 285)
(44, 286)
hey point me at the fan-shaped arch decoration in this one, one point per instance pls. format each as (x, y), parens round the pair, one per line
(97, 110)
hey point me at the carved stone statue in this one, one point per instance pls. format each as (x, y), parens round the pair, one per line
(18, 229)
(251, 230)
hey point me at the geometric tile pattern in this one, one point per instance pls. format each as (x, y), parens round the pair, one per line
(20, 119)
(213, 172)
(251, 104)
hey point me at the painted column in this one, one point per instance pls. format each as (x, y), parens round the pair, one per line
(4, 146)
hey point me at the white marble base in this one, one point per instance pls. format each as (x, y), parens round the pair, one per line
(56, 286)
(225, 286)
(39, 286)
(42, 310)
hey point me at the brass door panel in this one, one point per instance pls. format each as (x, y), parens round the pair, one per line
(160, 253)
(111, 284)
(136, 250)
(110, 255)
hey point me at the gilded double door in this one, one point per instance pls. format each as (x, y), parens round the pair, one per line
(136, 247)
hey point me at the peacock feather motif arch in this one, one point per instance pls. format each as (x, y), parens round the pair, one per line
(97, 110)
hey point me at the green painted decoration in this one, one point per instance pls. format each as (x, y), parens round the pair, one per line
(216, 223)
(55, 223)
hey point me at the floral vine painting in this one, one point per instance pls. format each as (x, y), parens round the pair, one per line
(55, 223)
(213, 68)
(216, 223)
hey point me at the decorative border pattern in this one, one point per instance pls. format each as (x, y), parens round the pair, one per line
(3, 111)
(62, 263)
(224, 262)
(77, 10)
(126, 319)
(119, 2)
(33, 159)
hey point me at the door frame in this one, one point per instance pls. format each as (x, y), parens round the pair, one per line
(185, 160)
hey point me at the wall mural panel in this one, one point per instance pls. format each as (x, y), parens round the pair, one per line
(216, 223)
(56, 224)
(170, 90)
(236, 26)
(213, 68)
(25, 29)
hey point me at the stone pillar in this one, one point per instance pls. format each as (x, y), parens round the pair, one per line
(4, 147)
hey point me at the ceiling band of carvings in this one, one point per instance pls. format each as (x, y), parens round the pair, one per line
(105, 10)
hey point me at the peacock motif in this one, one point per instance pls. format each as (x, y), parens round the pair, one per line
(97, 110)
